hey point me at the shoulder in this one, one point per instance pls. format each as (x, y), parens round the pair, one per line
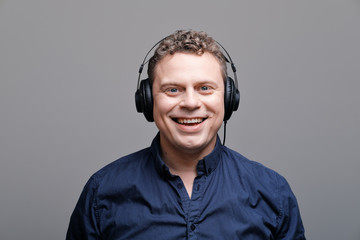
(122, 168)
(114, 176)
(261, 182)
(266, 187)
(257, 178)
(250, 168)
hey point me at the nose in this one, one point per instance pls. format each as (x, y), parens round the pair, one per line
(190, 100)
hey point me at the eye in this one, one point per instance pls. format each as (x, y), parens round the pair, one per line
(205, 89)
(172, 91)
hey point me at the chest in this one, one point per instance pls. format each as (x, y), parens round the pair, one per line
(163, 210)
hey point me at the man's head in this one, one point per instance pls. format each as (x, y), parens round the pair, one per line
(192, 42)
(187, 76)
(186, 42)
(188, 92)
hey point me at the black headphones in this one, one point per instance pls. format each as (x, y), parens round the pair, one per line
(144, 99)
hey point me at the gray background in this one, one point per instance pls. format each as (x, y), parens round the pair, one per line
(68, 73)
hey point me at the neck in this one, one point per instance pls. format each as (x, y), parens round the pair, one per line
(183, 160)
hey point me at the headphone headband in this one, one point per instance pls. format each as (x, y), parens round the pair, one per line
(143, 62)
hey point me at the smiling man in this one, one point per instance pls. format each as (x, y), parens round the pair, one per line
(186, 185)
(188, 91)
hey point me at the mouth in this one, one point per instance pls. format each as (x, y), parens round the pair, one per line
(189, 121)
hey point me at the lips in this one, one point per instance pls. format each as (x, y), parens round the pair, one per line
(189, 121)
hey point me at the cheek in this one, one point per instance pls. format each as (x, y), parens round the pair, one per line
(162, 106)
(216, 105)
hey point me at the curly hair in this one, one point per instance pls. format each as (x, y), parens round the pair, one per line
(186, 41)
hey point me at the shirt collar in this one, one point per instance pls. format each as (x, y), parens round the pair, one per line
(212, 160)
(205, 166)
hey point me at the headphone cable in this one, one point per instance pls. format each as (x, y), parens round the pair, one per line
(225, 122)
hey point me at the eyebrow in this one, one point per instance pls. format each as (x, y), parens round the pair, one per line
(177, 83)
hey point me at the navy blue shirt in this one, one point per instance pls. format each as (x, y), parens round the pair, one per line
(136, 197)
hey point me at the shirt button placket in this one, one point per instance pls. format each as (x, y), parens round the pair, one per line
(191, 234)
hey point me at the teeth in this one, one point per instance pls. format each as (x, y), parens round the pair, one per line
(189, 121)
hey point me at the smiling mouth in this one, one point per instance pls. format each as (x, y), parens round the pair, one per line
(189, 121)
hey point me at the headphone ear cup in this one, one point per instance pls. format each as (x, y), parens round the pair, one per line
(144, 100)
(138, 103)
(231, 98)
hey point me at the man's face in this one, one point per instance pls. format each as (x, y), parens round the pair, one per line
(188, 92)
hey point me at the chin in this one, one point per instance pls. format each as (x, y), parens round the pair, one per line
(196, 143)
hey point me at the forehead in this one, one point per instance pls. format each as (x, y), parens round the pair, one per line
(188, 66)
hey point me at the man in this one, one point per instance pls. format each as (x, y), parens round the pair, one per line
(187, 185)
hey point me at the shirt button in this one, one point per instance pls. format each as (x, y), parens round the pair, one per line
(192, 227)
(179, 186)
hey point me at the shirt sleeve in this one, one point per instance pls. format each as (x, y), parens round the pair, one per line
(290, 225)
(85, 218)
